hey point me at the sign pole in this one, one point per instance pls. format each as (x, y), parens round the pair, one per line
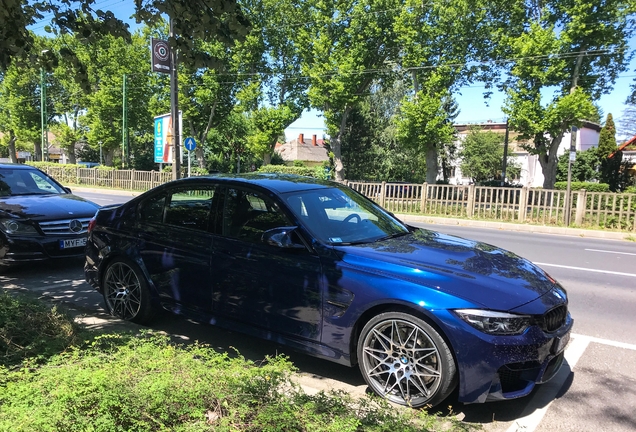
(174, 109)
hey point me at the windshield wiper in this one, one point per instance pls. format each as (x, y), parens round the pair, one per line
(390, 236)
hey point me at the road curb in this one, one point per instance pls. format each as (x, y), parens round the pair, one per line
(507, 226)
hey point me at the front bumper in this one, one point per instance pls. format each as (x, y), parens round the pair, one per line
(23, 250)
(505, 367)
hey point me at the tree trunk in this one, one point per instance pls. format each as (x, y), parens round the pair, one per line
(431, 164)
(336, 147)
(13, 157)
(549, 163)
(267, 159)
(70, 152)
(37, 149)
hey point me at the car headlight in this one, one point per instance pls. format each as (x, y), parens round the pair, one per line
(495, 323)
(16, 227)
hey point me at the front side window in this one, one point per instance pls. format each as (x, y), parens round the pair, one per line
(247, 215)
(342, 216)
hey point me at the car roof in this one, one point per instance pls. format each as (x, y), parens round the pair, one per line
(16, 166)
(279, 183)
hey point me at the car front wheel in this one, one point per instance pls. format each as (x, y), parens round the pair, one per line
(126, 292)
(405, 360)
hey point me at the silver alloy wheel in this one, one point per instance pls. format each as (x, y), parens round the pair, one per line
(401, 362)
(122, 291)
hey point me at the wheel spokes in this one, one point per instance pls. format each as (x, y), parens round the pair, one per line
(401, 362)
(123, 291)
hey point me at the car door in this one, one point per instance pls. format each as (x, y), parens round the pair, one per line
(176, 243)
(275, 288)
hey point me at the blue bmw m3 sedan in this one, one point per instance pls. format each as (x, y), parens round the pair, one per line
(320, 268)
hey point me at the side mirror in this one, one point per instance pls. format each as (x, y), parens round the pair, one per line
(281, 237)
(68, 190)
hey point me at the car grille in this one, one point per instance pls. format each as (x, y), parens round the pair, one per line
(554, 318)
(63, 227)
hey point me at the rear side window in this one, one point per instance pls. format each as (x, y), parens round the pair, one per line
(152, 209)
(248, 215)
(182, 207)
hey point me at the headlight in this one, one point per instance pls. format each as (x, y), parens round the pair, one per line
(16, 227)
(495, 323)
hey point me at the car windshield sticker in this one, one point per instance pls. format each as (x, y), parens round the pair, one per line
(335, 239)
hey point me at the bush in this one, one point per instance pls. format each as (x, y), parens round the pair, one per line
(590, 187)
(631, 189)
(147, 384)
(283, 169)
(30, 330)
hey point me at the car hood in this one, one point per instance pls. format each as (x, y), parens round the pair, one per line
(47, 207)
(478, 272)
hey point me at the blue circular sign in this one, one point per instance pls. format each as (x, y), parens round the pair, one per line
(190, 144)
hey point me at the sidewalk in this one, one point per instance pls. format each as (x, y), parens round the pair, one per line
(505, 226)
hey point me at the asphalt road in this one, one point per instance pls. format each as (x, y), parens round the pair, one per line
(594, 391)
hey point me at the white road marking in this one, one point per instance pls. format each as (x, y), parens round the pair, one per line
(586, 269)
(546, 394)
(613, 252)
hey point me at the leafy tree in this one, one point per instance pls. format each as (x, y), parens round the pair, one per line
(443, 45)
(584, 169)
(204, 20)
(481, 155)
(370, 149)
(20, 119)
(275, 93)
(555, 47)
(344, 50)
(611, 160)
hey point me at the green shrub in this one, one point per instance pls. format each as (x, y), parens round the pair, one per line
(31, 330)
(283, 169)
(147, 384)
(631, 190)
(590, 187)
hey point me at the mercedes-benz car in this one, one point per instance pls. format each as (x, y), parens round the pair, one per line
(39, 218)
(320, 268)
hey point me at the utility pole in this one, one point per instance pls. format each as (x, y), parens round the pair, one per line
(174, 110)
(572, 158)
(45, 126)
(124, 127)
(505, 157)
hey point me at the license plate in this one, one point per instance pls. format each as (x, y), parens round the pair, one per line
(561, 343)
(73, 243)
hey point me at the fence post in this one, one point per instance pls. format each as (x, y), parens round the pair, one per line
(470, 203)
(382, 192)
(581, 204)
(523, 204)
(423, 198)
(132, 179)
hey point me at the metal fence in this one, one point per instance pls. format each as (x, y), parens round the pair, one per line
(523, 205)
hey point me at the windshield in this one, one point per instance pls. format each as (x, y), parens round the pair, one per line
(343, 216)
(14, 182)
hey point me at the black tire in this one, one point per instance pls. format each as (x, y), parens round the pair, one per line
(405, 360)
(126, 292)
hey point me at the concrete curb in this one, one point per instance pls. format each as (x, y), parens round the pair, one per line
(507, 226)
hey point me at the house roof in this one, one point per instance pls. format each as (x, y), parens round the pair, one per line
(628, 145)
(303, 149)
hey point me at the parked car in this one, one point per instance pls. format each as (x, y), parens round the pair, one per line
(318, 267)
(39, 218)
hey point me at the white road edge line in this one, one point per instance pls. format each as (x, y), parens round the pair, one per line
(547, 393)
(586, 269)
(614, 252)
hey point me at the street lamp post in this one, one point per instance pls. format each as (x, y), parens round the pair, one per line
(101, 157)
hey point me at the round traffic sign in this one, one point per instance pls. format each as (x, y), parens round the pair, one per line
(190, 144)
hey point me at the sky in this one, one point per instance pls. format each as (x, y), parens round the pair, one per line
(472, 105)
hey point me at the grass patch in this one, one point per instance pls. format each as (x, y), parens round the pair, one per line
(72, 380)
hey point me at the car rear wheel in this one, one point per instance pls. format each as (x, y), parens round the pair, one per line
(405, 360)
(126, 292)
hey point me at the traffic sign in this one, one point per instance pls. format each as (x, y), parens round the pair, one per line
(190, 144)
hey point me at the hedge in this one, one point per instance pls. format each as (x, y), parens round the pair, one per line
(590, 187)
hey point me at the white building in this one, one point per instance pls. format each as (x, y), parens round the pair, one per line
(531, 173)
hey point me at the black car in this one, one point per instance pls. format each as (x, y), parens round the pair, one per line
(318, 267)
(39, 218)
